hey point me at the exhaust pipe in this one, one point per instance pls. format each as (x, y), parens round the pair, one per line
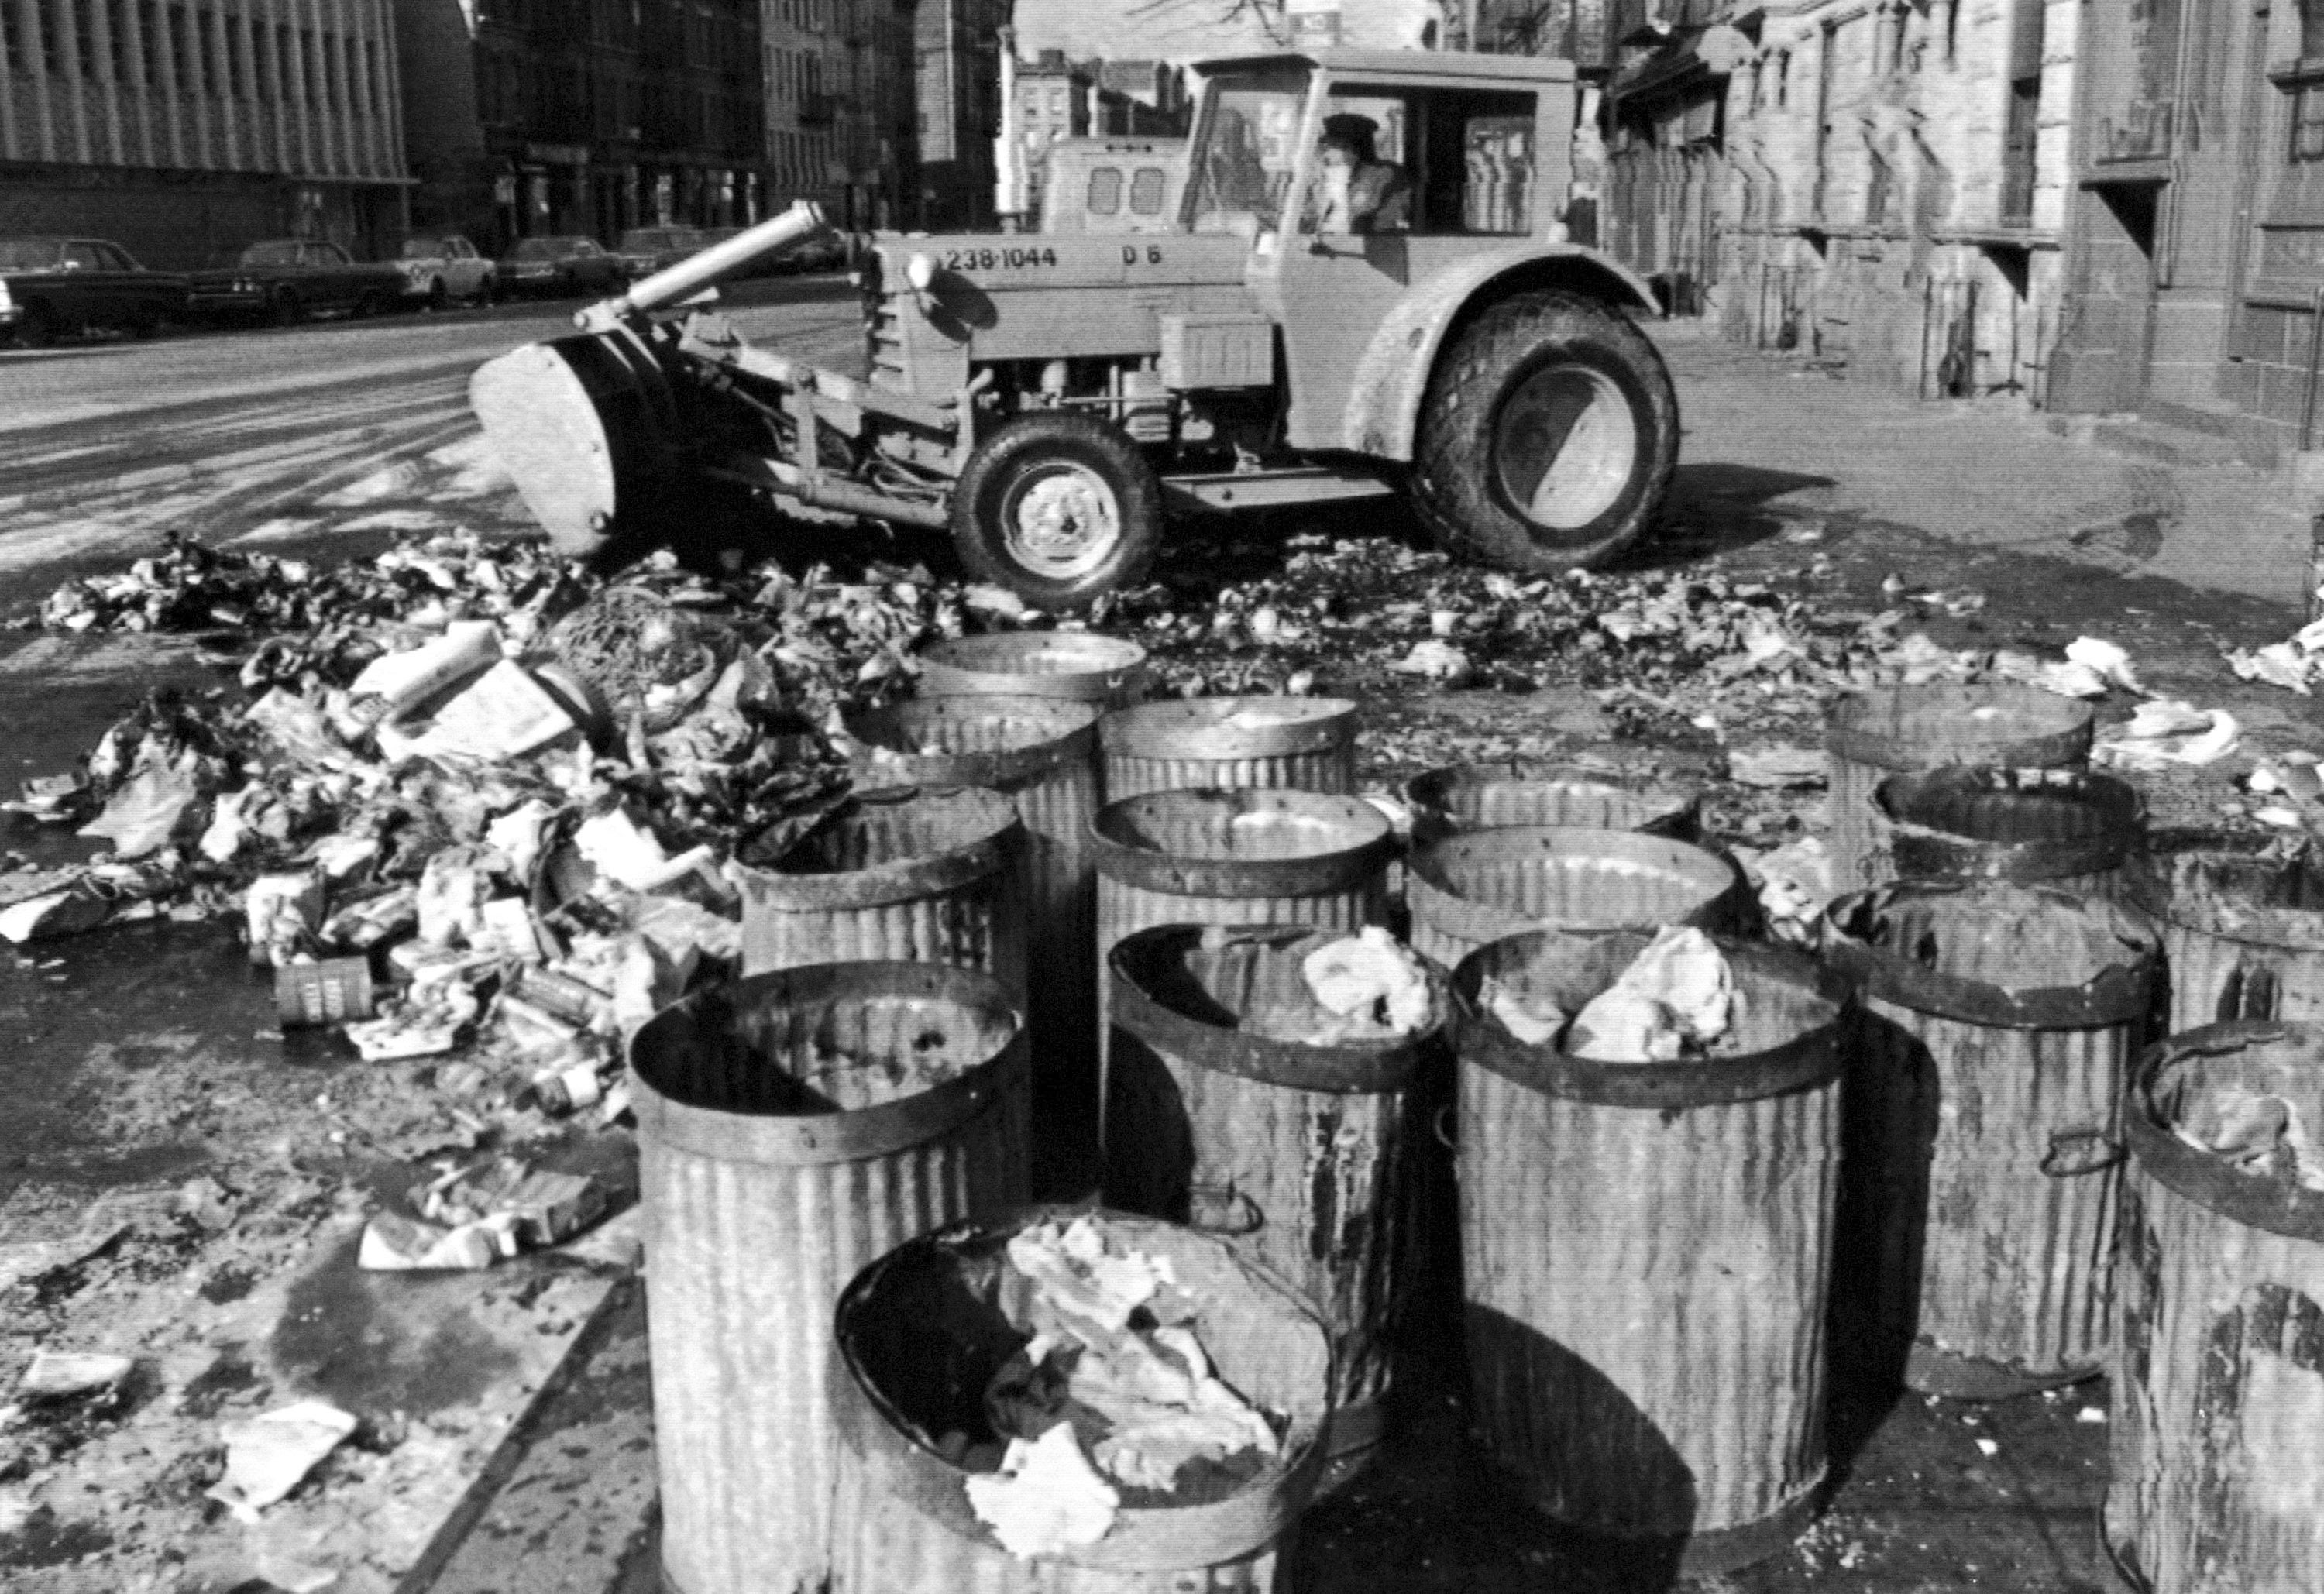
(805, 219)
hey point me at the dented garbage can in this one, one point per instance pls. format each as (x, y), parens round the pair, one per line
(925, 1331)
(1470, 890)
(2242, 917)
(792, 1126)
(1077, 666)
(1042, 754)
(2219, 1396)
(1873, 734)
(902, 874)
(1262, 1115)
(1460, 798)
(1644, 1251)
(1292, 744)
(1985, 1071)
(2064, 830)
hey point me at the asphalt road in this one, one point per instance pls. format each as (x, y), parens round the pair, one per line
(299, 439)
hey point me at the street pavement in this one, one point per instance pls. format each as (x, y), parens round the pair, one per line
(328, 439)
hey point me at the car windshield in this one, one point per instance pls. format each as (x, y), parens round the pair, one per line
(1248, 142)
(426, 248)
(28, 254)
(270, 254)
(542, 249)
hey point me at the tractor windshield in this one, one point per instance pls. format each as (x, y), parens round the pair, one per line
(1244, 153)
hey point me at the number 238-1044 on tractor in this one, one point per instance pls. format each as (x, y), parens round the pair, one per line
(1050, 399)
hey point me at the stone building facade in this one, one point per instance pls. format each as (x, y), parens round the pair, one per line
(1881, 186)
(958, 45)
(184, 129)
(842, 106)
(1054, 100)
(528, 117)
(2196, 222)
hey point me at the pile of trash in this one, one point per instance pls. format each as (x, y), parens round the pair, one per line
(1114, 1400)
(1672, 1002)
(1368, 986)
(2259, 1133)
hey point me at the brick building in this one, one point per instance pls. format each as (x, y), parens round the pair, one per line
(184, 129)
(958, 51)
(1140, 99)
(1053, 102)
(582, 116)
(842, 105)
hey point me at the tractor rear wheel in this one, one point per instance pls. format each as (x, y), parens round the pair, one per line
(1060, 508)
(1548, 436)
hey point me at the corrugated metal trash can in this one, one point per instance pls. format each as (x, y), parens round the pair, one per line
(1871, 736)
(2243, 924)
(1986, 1070)
(923, 1331)
(2067, 830)
(1301, 1151)
(1644, 1251)
(1042, 754)
(1079, 665)
(1245, 857)
(1461, 798)
(2218, 1425)
(1467, 891)
(770, 1174)
(904, 874)
(1293, 743)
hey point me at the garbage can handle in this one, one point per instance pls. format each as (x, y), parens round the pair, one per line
(1444, 1125)
(1222, 1208)
(2081, 1151)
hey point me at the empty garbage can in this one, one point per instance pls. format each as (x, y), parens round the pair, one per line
(1871, 736)
(1253, 1123)
(1078, 666)
(1467, 891)
(927, 1334)
(1042, 754)
(1645, 1251)
(1292, 744)
(2066, 830)
(2242, 917)
(2218, 1425)
(1985, 1071)
(908, 875)
(1461, 798)
(791, 1127)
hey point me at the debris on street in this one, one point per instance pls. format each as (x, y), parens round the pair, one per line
(2167, 732)
(270, 1455)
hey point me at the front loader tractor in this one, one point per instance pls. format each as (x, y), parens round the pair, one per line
(1050, 399)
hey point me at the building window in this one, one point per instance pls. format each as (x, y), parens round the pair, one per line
(2308, 121)
(1783, 79)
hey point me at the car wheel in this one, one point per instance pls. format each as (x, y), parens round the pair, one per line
(373, 303)
(1548, 436)
(1059, 509)
(437, 295)
(284, 308)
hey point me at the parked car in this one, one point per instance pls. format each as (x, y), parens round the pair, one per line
(53, 286)
(647, 250)
(560, 268)
(440, 267)
(827, 253)
(287, 280)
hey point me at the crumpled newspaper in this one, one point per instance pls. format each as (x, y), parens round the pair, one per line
(1047, 1498)
(2167, 732)
(1677, 995)
(2294, 665)
(268, 1456)
(1531, 1019)
(2261, 1133)
(1371, 984)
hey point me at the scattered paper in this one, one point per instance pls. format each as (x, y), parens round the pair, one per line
(1779, 766)
(2109, 661)
(1532, 1020)
(268, 1456)
(1437, 661)
(1676, 995)
(61, 1375)
(2167, 732)
(1047, 1498)
(1371, 984)
(394, 1243)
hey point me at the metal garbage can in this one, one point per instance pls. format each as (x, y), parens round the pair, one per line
(922, 1333)
(2217, 1421)
(2065, 830)
(1460, 798)
(1645, 1252)
(791, 1127)
(2242, 917)
(1302, 1151)
(1293, 743)
(1986, 1070)
(1078, 666)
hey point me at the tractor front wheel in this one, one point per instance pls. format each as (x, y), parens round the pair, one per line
(1058, 508)
(1548, 437)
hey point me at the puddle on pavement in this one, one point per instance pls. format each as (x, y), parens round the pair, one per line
(341, 1338)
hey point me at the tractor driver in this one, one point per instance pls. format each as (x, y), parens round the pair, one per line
(1355, 191)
